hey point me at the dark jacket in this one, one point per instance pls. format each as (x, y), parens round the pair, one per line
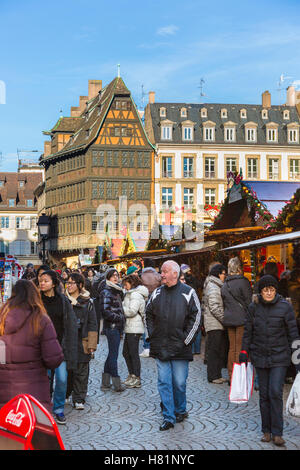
(270, 330)
(237, 295)
(28, 357)
(87, 326)
(70, 330)
(173, 317)
(111, 298)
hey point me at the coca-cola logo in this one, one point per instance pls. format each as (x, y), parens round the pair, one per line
(15, 419)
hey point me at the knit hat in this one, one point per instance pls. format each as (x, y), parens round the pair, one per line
(110, 272)
(217, 269)
(184, 268)
(131, 270)
(267, 281)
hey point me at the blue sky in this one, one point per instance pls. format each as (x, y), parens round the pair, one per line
(50, 50)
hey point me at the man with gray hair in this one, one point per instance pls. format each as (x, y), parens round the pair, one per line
(173, 320)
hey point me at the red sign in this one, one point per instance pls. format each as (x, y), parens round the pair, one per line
(26, 425)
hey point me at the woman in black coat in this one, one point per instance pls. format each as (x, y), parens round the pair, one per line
(84, 310)
(111, 298)
(269, 340)
(236, 295)
(64, 320)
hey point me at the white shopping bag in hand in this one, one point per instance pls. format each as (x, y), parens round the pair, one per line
(241, 385)
(293, 401)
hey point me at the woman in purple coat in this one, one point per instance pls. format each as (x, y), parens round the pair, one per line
(28, 345)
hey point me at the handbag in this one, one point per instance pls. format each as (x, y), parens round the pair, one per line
(293, 401)
(241, 385)
(243, 307)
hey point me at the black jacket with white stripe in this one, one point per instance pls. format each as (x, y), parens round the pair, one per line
(173, 320)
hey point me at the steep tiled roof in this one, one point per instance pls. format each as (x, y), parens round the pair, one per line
(90, 121)
(10, 189)
(253, 114)
(66, 124)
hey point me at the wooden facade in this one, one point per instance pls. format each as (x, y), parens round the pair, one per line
(105, 155)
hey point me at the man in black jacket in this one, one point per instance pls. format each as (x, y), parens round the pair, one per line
(173, 319)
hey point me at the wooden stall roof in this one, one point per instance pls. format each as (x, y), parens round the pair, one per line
(142, 254)
(273, 240)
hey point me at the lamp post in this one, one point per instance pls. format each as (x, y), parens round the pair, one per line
(43, 226)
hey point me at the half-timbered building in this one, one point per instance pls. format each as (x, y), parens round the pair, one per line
(98, 174)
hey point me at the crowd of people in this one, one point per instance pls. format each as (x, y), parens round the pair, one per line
(53, 321)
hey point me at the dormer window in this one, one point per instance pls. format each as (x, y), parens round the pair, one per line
(224, 113)
(203, 112)
(272, 132)
(209, 131)
(251, 132)
(162, 112)
(183, 112)
(187, 133)
(187, 130)
(229, 131)
(21, 184)
(293, 133)
(286, 114)
(264, 114)
(87, 133)
(243, 114)
(166, 131)
(1, 184)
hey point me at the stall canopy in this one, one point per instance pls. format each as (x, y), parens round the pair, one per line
(273, 195)
(273, 240)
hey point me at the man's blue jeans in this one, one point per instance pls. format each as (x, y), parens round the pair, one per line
(113, 336)
(172, 377)
(60, 389)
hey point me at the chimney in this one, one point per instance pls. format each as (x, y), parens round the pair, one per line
(82, 103)
(94, 87)
(266, 99)
(291, 96)
(47, 148)
(77, 111)
(151, 97)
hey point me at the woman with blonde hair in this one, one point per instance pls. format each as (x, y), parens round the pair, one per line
(237, 296)
(29, 345)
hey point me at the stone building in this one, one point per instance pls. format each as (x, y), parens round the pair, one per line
(98, 160)
(18, 213)
(199, 144)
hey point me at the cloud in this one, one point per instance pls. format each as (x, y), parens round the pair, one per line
(169, 30)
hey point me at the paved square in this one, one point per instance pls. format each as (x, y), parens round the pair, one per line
(130, 420)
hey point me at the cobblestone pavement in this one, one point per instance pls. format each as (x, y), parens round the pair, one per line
(130, 420)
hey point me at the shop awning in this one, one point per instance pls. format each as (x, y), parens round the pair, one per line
(273, 240)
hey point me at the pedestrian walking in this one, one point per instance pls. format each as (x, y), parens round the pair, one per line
(151, 279)
(268, 342)
(29, 345)
(213, 323)
(60, 311)
(173, 318)
(111, 298)
(134, 304)
(236, 295)
(84, 310)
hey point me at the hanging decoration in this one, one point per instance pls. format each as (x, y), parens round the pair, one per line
(289, 216)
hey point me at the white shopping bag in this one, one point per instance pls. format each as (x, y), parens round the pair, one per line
(293, 401)
(241, 385)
